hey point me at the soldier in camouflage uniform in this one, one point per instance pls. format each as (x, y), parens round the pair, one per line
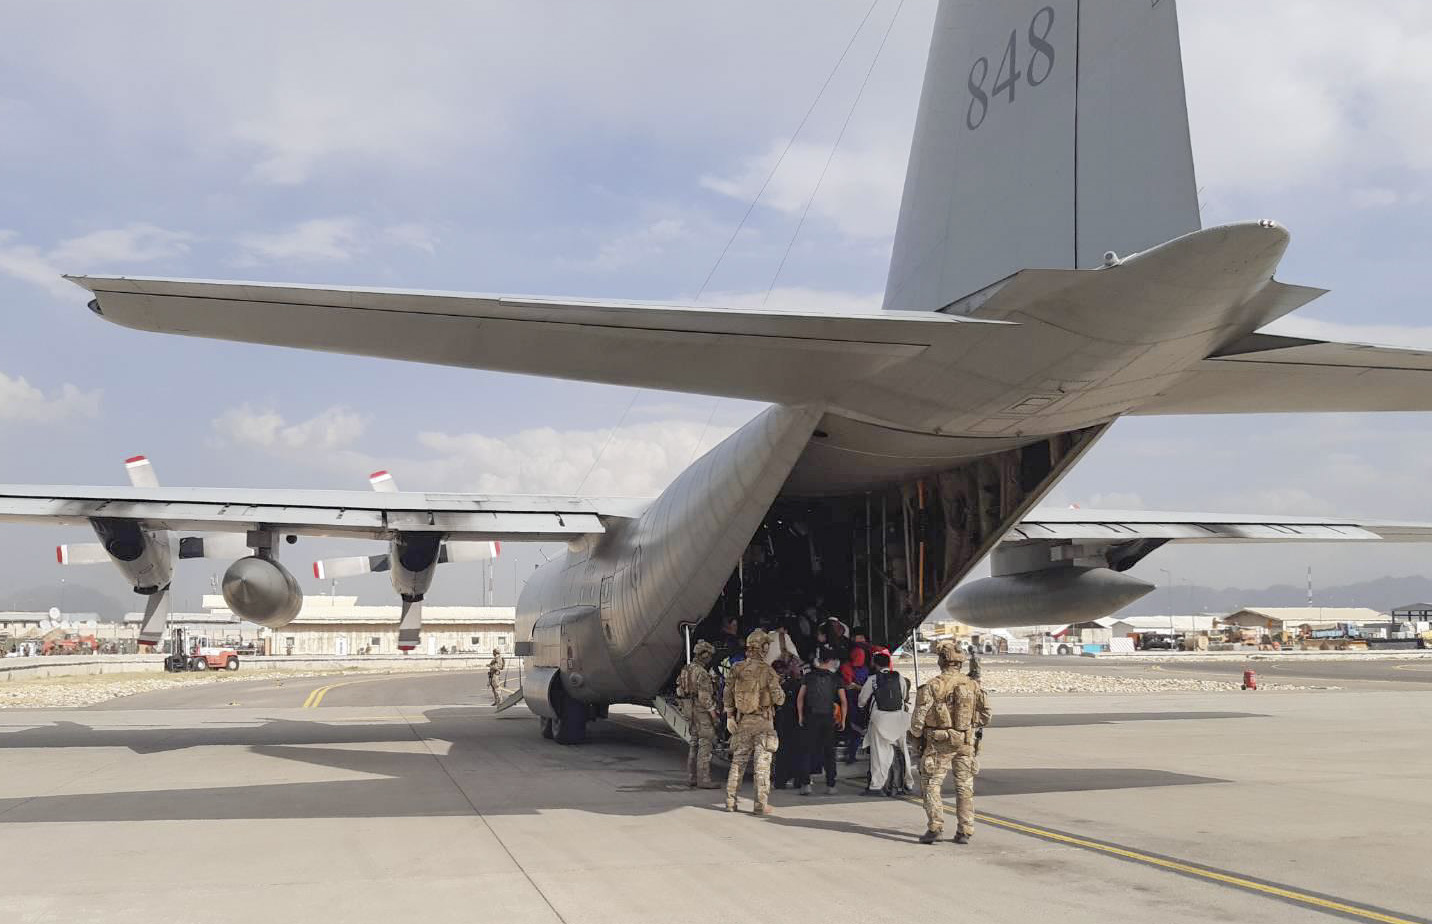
(753, 691)
(696, 693)
(949, 710)
(495, 667)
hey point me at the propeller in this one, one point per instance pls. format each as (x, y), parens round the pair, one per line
(410, 584)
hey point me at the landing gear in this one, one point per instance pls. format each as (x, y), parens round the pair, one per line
(571, 724)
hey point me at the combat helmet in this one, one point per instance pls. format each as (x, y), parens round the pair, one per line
(758, 639)
(702, 649)
(949, 653)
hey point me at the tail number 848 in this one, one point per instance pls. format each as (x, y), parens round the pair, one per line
(1038, 65)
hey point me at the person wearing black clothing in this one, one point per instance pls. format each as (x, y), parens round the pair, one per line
(816, 704)
(790, 760)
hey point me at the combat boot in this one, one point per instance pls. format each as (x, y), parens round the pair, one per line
(929, 837)
(961, 838)
(730, 805)
(763, 809)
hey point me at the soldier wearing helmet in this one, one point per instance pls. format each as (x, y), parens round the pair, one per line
(753, 691)
(495, 668)
(949, 711)
(696, 694)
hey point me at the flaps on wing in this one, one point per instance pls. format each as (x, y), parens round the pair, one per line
(1265, 373)
(784, 356)
(350, 514)
(1115, 526)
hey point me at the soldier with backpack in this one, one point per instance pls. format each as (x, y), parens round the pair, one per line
(887, 693)
(696, 694)
(753, 692)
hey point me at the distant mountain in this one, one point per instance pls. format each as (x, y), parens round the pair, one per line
(1381, 594)
(78, 599)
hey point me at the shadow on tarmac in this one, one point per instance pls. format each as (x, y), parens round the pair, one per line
(460, 761)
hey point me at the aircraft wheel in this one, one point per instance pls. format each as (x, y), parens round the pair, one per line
(547, 729)
(571, 726)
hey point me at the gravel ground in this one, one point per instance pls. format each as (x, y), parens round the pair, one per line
(86, 691)
(1040, 681)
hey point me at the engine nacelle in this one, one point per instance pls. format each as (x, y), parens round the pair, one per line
(412, 558)
(262, 591)
(1045, 597)
(143, 556)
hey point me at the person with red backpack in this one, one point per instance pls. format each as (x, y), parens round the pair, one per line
(886, 692)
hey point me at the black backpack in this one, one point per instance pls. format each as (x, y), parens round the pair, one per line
(820, 693)
(889, 695)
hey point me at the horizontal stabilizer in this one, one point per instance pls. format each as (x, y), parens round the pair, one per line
(785, 356)
(1266, 374)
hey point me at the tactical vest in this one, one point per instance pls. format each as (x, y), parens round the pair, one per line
(749, 693)
(954, 703)
(686, 684)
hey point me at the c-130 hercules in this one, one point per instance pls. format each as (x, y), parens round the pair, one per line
(1049, 276)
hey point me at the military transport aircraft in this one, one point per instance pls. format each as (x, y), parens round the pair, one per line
(1049, 276)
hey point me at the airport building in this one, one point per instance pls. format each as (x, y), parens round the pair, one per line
(1294, 618)
(340, 626)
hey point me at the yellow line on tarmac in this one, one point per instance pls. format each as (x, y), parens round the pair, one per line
(316, 697)
(1200, 872)
(1318, 902)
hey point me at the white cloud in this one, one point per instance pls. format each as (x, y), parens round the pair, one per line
(860, 195)
(411, 234)
(334, 429)
(635, 248)
(22, 402)
(312, 241)
(115, 247)
(1392, 335)
(638, 459)
(1283, 95)
(96, 251)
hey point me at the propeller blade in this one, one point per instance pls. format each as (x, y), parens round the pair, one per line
(219, 545)
(141, 472)
(410, 630)
(331, 568)
(81, 553)
(383, 482)
(468, 550)
(156, 617)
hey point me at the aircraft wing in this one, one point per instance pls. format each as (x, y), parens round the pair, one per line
(1118, 526)
(1264, 373)
(343, 514)
(766, 355)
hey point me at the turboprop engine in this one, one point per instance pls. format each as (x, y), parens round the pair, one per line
(1060, 595)
(262, 591)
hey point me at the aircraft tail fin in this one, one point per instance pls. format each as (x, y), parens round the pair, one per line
(1049, 132)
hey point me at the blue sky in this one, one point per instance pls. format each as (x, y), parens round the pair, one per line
(610, 150)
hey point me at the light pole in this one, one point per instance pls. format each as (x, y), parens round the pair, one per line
(1168, 583)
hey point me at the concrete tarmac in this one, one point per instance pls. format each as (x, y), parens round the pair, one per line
(403, 797)
(1348, 672)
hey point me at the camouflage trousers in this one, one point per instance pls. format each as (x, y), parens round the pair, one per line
(698, 755)
(496, 690)
(935, 764)
(754, 745)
